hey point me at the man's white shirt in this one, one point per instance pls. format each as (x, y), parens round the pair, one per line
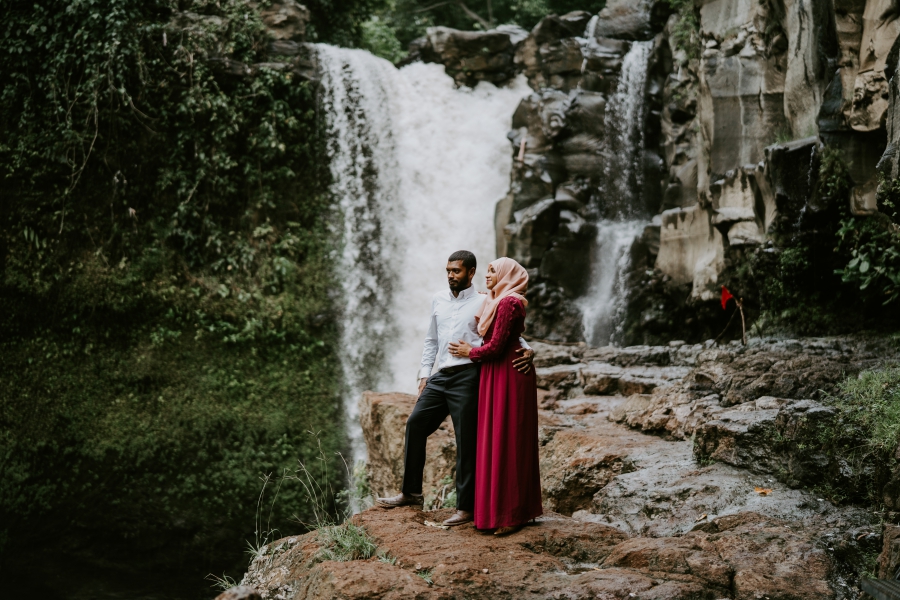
(452, 319)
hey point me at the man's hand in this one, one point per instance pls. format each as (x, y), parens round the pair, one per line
(524, 363)
(460, 349)
(422, 383)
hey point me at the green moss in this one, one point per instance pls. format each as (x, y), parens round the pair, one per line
(167, 334)
(863, 435)
(686, 30)
(870, 406)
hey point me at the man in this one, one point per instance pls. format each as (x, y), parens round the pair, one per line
(452, 390)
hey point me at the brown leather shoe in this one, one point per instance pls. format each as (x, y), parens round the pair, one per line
(400, 499)
(460, 517)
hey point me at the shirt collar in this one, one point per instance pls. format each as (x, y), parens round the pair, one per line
(465, 294)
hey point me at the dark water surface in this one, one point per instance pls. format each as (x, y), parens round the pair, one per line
(59, 578)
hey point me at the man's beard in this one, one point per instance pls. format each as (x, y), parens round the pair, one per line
(457, 285)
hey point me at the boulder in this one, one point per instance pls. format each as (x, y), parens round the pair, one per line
(576, 464)
(559, 378)
(760, 372)
(632, 19)
(550, 355)
(552, 314)
(383, 419)
(553, 28)
(473, 56)
(531, 233)
(551, 55)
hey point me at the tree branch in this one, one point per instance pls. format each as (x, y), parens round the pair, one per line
(473, 15)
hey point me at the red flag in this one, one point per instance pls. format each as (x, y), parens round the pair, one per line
(726, 296)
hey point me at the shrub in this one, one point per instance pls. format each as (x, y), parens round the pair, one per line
(167, 334)
(864, 435)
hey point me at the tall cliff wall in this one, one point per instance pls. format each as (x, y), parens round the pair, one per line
(744, 101)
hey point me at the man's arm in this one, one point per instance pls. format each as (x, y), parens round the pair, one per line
(429, 352)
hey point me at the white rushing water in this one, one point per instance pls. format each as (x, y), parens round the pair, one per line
(604, 303)
(418, 167)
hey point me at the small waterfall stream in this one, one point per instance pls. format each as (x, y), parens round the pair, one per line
(604, 303)
(418, 167)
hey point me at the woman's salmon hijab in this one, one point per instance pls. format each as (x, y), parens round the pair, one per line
(512, 280)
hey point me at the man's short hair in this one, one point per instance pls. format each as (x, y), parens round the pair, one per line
(467, 258)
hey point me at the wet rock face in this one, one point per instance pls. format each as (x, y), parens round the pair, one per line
(638, 20)
(728, 128)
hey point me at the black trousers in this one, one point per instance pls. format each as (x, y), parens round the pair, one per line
(456, 395)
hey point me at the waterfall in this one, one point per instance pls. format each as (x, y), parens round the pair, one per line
(417, 168)
(621, 207)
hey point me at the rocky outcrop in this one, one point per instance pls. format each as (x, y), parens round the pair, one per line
(240, 592)
(383, 419)
(732, 133)
(471, 56)
(592, 464)
(636, 20)
(742, 556)
(725, 378)
(632, 513)
(286, 22)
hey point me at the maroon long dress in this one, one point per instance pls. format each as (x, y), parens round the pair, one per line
(507, 473)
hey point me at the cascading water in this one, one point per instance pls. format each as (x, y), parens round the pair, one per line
(417, 168)
(604, 303)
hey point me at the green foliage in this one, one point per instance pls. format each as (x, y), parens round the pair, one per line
(379, 39)
(835, 181)
(686, 31)
(874, 245)
(358, 494)
(222, 583)
(167, 335)
(345, 542)
(865, 433)
(869, 408)
(443, 496)
(798, 288)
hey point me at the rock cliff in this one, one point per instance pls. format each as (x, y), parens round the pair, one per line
(706, 510)
(738, 101)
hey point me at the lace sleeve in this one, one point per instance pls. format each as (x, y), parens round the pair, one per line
(509, 309)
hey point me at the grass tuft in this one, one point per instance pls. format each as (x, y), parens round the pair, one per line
(870, 404)
(425, 574)
(345, 542)
(221, 583)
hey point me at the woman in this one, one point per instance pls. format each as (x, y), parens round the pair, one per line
(507, 475)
